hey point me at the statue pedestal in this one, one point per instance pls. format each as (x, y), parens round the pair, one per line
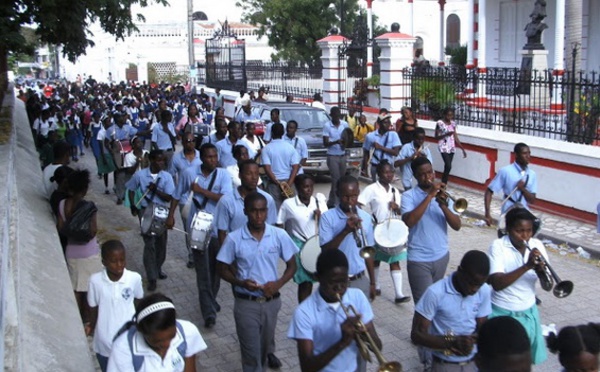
(534, 65)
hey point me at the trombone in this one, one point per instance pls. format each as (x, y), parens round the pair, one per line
(562, 289)
(365, 342)
(366, 251)
(460, 204)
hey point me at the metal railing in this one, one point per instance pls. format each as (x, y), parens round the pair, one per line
(284, 79)
(538, 103)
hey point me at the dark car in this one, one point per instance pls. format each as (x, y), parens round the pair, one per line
(310, 127)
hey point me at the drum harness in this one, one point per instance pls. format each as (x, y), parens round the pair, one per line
(382, 153)
(210, 186)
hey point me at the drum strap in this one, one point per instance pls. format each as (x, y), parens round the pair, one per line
(210, 186)
(384, 145)
(521, 195)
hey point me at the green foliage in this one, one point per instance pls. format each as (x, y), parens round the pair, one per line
(458, 55)
(374, 80)
(433, 93)
(293, 27)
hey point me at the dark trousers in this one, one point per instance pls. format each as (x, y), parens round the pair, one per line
(155, 252)
(447, 158)
(207, 279)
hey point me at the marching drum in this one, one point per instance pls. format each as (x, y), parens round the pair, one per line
(309, 254)
(200, 130)
(119, 150)
(200, 230)
(391, 236)
(154, 219)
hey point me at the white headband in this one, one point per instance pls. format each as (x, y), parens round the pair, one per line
(154, 308)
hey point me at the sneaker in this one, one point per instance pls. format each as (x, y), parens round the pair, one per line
(162, 275)
(107, 192)
(190, 264)
(401, 300)
(378, 292)
(209, 323)
(273, 362)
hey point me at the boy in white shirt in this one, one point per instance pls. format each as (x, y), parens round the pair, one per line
(111, 298)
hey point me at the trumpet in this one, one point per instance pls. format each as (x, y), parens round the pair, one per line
(366, 251)
(460, 204)
(548, 277)
(365, 342)
(286, 190)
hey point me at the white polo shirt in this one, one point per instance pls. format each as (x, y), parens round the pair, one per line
(115, 305)
(378, 199)
(505, 258)
(121, 358)
(299, 219)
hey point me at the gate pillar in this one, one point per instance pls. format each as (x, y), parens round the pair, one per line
(334, 70)
(395, 61)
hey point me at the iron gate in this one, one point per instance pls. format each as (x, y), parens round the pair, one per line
(226, 60)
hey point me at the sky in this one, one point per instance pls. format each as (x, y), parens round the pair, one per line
(177, 11)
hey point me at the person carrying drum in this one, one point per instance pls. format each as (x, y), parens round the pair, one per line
(299, 216)
(427, 211)
(336, 152)
(158, 188)
(383, 200)
(202, 187)
(384, 143)
(518, 182)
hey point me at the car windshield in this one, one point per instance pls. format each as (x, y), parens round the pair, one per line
(306, 119)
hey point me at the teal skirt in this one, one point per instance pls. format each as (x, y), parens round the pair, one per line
(388, 258)
(137, 196)
(105, 167)
(301, 275)
(530, 320)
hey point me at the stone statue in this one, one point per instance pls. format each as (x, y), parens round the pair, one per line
(395, 27)
(534, 29)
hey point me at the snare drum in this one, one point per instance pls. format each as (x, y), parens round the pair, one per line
(309, 253)
(154, 219)
(391, 236)
(200, 230)
(200, 130)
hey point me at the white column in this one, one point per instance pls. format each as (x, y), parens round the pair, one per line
(334, 72)
(396, 58)
(409, 22)
(559, 36)
(442, 26)
(370, 48)
(481, 35)
(470, 33)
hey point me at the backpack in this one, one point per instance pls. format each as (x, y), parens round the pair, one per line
(77, 228)
(138, 360)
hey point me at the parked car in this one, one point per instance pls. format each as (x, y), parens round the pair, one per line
(310, 127)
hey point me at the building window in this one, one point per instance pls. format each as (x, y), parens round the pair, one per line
(453, 31)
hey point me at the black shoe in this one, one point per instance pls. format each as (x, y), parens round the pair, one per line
(152, 285)
(209, 323)
(190, 265)
(538, 301)
(119, 201)
(273, 362)
(217, 307)
(162, 275)
(378, 292)
(402, 300)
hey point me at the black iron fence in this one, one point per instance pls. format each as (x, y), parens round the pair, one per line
(539, 103)
(283, 79)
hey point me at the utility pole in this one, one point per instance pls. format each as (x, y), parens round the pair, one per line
(191, 58)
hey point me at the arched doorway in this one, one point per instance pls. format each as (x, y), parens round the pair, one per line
(452, 31)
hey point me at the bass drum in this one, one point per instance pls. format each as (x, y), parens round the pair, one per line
(391, 236)
(309, 253)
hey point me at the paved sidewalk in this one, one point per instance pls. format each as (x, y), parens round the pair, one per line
(392, 321)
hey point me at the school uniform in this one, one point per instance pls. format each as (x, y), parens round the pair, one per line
(225, 151)
(336, 157)
(331, 224)
(388, 140)
(121, 357)
(163, 140)
(281, 157)
(155, 246)
(507, 179)
(301, 148)
(229, 214)
(408, 151)
(207, 279)
(114, 300)
(320, 322)
(256, 315)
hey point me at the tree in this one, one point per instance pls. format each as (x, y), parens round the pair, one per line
(293, 27)
(64, 23)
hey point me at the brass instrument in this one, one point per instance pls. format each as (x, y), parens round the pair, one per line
(548, 277)
(366, 251)
(365, 342)
(286, 190)
(460, 204)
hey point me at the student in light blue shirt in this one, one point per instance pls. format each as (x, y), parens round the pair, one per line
(248, 260)
(517, 181)
(336, 153)
(385, 144)
(409, 152)
(299, 143)
(187, 158)
(450, 313)
(427, 212)
(348, 228)
(325, 335)
(229, 214)
(225, 146)
(163, 133)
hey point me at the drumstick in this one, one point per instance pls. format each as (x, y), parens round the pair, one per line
(142, 198)
(181, 231)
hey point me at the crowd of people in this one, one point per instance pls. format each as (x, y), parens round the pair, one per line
(246, 204)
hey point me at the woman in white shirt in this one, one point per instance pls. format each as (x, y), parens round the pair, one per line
(156, 340)
(514, 269)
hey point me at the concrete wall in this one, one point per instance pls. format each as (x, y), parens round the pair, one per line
(40, 322)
